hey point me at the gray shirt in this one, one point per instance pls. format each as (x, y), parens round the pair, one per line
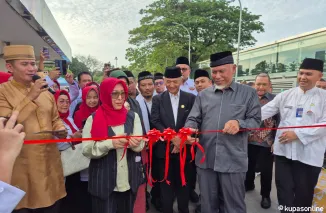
(212, 109)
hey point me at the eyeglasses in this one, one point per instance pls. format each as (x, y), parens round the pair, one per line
(184, 69)
(159, 83)
(116, 95)
(62, 102)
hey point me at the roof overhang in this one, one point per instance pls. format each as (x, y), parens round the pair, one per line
(32, 23)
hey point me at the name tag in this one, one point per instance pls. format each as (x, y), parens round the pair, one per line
(299, 113)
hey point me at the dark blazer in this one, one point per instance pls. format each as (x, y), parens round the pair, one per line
(162, 116)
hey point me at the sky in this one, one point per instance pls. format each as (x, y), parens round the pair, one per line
(100, 27)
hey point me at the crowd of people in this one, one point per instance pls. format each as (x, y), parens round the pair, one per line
(110, 175)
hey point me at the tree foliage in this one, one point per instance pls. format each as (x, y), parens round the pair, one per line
(213, 26)
(77, 66)
(91, 62)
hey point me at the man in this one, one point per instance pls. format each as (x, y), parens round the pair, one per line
(11, 142)
(188, 84)
(146, 88)
(202, 80)
(259, 146)
(38, 169)
(132, 90)
(226, 106)
(321, 84)
(170, 109)
(159, 83)
(299, 153)
(75, 89)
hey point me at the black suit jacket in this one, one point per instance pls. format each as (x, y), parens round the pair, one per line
(162, 116)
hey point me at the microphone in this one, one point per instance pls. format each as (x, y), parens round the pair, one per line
(36, 77)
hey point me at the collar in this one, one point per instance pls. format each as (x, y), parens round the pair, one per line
(267, 96)
(175, 96)
(308, 92)
(187, 82)
(232, 86)
(20, 85)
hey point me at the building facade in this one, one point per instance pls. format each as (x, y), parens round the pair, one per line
(26, 22)
(280, 59)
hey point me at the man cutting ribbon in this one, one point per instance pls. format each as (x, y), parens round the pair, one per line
(228, 106)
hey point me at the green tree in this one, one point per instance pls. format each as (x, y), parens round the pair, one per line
(77, 66)
(91, 62)
(213, 26)
(259, 68)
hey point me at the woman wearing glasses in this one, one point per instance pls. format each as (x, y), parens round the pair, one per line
(78, 198)
(114, 173)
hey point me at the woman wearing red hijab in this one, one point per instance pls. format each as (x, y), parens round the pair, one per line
(116, 170)
(78, 198)
(90, 103)
(4, 77)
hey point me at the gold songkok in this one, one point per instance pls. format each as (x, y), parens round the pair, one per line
(18, 52)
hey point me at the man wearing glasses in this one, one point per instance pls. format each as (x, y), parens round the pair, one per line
(159, 83)
(259, 145)
(188, 85)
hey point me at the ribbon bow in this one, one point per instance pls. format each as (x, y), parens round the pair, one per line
(199, 147)
(153, 136)
(183, 134)
(168, 135)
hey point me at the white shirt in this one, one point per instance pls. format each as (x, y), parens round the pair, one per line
(175, 105)
(149, 106)
(9, 197)
(144, 106)
(309, 148)
(189, 86)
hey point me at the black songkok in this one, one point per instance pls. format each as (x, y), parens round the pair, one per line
(182, 60)
(158, 75)
(221, 58)
(129, 74)
(172, 72)
(201, 73)
(145, 75)
(312, 64)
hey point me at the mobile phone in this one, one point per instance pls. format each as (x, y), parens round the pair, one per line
(62, 64)
(46, 52)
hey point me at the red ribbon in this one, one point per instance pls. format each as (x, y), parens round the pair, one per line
(183, 134)
(168, 135)
(192, 150)
(125, 147)
(153, 136)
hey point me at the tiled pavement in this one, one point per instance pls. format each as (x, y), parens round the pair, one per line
(253, 199)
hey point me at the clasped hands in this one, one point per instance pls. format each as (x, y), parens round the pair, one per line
(133, 142)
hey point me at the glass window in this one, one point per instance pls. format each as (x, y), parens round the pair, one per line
(288, 57)
(314, 47)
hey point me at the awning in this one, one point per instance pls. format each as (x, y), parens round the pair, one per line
(32, 23)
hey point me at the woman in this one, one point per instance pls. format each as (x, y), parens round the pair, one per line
(4, 77)
(114, 175)
(78, 198)
(90, 103)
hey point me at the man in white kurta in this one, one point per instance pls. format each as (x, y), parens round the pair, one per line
(299, 152)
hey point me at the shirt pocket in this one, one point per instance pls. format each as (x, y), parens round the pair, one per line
(237, 111)
(287, 110)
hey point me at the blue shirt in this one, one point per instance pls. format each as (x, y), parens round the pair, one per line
(189, 86)
(9, 197)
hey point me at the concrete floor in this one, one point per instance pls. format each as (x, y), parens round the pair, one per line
(253, 199)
